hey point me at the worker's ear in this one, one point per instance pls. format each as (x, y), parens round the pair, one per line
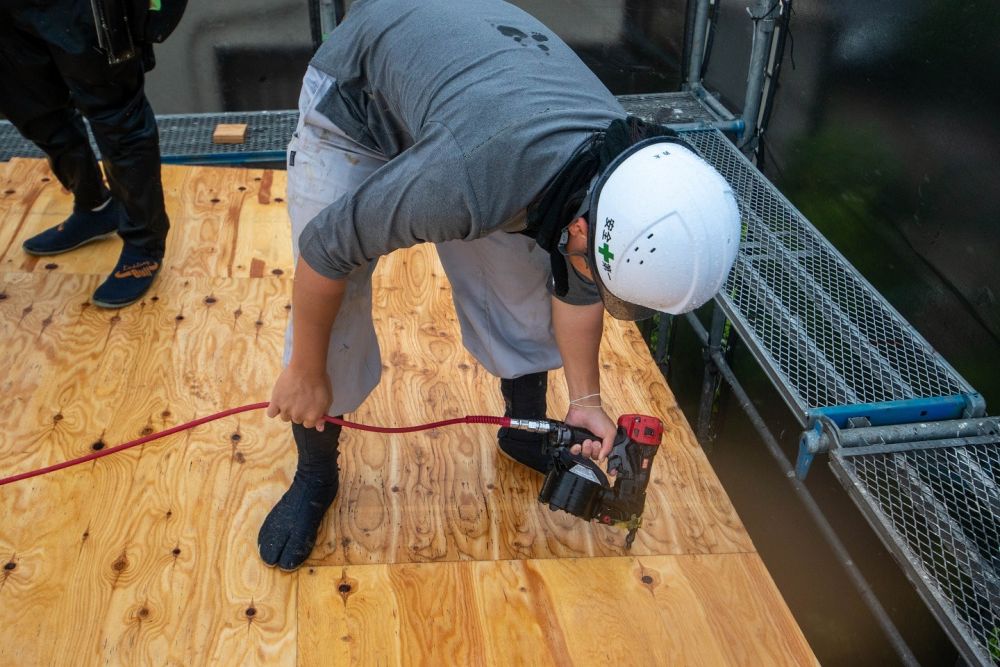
(578, 228)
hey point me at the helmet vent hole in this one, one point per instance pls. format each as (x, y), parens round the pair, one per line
(652, 250)
(640, 261)
(649, 237)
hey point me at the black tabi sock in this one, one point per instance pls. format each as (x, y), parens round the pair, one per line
(289, 532)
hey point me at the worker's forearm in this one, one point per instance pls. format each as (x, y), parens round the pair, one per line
(578, 332)
(315, 303)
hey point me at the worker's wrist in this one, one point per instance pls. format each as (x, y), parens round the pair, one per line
(591, 401)
(306, 367)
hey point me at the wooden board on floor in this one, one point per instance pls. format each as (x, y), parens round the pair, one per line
(229, 133)
(150, 555)
(450, 495)
(146, 556)
(224, 222)
(658, 610)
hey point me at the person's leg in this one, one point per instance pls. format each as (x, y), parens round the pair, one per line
(35, 99)
(113, 100)
(498, 284)
(318, 175)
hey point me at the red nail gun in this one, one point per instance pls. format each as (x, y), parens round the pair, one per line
(575, 484)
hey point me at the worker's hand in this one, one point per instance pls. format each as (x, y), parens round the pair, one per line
(597, 422)
(301, 397)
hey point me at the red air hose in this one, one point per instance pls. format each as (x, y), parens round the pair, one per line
(468, 419)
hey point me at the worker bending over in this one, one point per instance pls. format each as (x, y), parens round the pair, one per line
(472, 126)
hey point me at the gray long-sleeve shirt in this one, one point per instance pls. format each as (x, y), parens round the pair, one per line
(477, 105)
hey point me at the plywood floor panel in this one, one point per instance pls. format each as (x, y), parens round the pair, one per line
(450, 495)
(46, 527)
(225, 222)
(711, 609)
(122, 517)
(149, 556)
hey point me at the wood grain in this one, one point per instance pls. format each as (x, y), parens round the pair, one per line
(719, 609)
(149, 556)
(450, 494)
(118, 555)
(223, 222)
(30, 199)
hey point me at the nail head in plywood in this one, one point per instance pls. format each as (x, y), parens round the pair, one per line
(229, 133)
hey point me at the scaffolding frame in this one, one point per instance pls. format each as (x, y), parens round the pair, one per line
(906, 434)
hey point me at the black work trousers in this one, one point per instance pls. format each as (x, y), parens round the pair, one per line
(51, 71)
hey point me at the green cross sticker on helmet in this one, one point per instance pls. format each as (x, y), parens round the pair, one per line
(676, 230)
(606, 253)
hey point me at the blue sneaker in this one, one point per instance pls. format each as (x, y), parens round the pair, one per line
(80, 228)
(132, 276)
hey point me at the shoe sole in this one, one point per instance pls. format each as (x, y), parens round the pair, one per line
(116, 306)
(49, 253)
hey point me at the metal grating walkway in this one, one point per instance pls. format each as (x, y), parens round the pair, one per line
(828, 340)
(937, 510)
(187, 138)
(836, 350)
(667, 108)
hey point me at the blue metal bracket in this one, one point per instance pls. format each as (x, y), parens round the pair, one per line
(887, 413)
(937, 408)
(809, 446)
(735, 126)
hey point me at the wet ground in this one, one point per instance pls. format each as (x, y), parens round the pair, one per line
(897, 177)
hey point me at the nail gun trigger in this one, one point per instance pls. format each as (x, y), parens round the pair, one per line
(614, 463)
(618, 461)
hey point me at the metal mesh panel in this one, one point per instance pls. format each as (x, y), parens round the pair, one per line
(267, 132)
(190, 136)
(12, 144)
(938, 510)
(666, 108)
(831, 337)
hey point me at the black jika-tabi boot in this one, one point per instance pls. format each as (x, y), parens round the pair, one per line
(524, 398)
(288, 534)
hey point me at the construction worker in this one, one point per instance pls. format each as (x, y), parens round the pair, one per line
(472, 126)
(54, 65)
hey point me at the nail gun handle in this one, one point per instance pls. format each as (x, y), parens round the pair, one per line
(565, 435)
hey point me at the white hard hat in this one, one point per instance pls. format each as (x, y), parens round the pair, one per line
(664, 230)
